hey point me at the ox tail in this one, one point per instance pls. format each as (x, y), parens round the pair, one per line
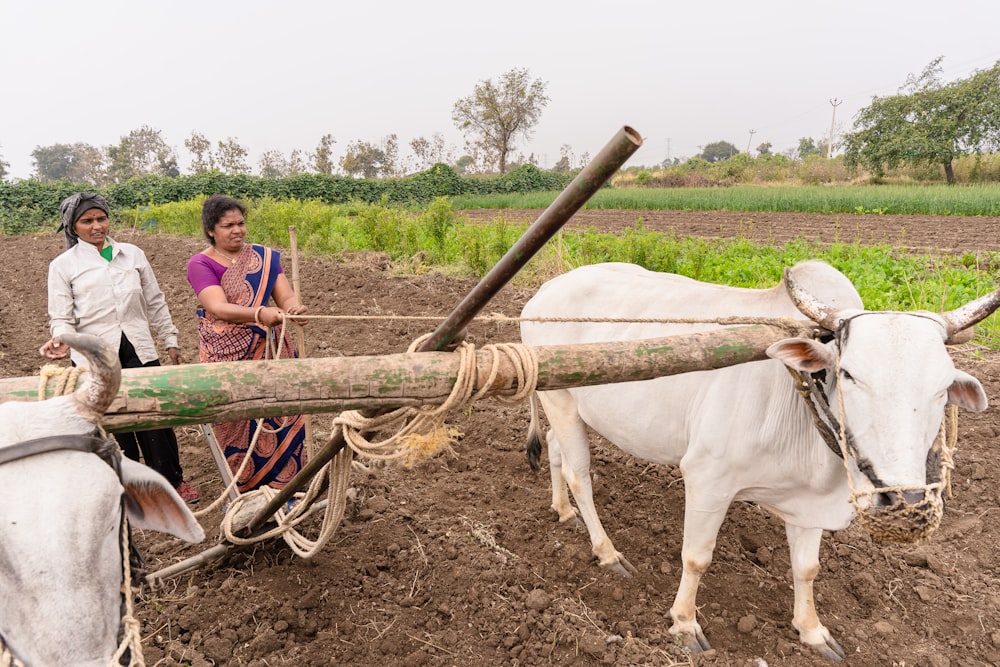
(534, 447)
(101, 387)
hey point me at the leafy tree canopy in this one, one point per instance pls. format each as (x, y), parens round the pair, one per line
(718, 151)
(928, 122)
(496, 114)
(78, 163)
(322, 159)
(369, 160)
(142, 152)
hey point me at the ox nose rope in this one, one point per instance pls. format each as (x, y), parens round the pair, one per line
(901, 522)
(904, 522)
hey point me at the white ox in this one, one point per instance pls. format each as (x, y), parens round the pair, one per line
(742, 432)
(60, 523)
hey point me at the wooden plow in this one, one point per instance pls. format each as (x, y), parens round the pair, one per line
(205, 393)
(201, 393)
(163, 396)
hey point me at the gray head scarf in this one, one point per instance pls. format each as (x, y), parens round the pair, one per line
(72, 208)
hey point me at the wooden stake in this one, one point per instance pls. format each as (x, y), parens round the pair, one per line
(300, 334)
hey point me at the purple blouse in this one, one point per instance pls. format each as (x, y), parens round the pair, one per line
(203, 271)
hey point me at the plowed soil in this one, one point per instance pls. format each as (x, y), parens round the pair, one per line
(459, 561)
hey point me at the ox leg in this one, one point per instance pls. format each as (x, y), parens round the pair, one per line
(553, 402)
(803, 545)
(569, 465)
(701, 529)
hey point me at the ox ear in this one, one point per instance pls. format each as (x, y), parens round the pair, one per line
(151, 503)
(966, 392)
(801, 354)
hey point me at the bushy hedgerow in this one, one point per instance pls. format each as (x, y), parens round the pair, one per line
(30, 204)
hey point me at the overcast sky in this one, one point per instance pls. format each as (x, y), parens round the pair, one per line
(279, 75)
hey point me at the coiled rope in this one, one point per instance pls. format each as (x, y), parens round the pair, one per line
(419, 434)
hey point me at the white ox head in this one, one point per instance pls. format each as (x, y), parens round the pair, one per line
(893, 376)
(60, 524)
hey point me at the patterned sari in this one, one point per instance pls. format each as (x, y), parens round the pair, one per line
(278, 454)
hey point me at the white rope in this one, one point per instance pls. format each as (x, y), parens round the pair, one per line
(785, 322)
(902, 522)
(131, 626)
(421, 433)
(424, 432)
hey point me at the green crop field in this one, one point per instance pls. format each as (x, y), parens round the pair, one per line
(441, 238)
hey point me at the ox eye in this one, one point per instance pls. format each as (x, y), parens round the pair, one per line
(847, 376)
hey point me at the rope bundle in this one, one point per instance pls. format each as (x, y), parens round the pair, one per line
(419, 434)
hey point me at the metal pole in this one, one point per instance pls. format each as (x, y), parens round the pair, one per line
(621, 147)
(829, 145)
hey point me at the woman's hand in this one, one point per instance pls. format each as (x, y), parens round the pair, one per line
(54, 349)
(292, 311)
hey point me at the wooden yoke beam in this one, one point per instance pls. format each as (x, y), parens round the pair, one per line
(231, 391)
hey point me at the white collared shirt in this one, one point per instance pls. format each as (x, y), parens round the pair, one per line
(88, 294)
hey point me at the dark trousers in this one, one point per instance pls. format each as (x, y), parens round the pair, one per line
(158, 447)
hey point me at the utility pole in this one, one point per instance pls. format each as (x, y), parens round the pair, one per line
(752, 132)
(829, 146)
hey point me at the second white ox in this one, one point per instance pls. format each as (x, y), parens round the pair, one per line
(61, 554)
(742, 432)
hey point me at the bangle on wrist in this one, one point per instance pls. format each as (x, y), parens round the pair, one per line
(256, 315)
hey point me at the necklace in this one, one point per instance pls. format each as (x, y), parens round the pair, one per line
(222, 254)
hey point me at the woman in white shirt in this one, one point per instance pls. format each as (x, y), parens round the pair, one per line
(108, 289)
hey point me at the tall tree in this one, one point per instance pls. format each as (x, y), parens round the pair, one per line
(496, 114)
(79, 162)
(142, 152)
(565, 162)
(272, 164)
(4, 166)
(431, 151)
(362, 158)
(717, 151)
(928, 122)
(232, 157)
(201, 148)
(808, 146)
(464, 164)
(322, 159)
(368, 160)
(296, 163)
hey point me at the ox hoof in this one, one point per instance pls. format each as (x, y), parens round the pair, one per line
(694, 641)
(571, 518)
(621, 566)
(831, 650)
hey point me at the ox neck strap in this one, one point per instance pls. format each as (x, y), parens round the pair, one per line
(808, 388)
(89, 444)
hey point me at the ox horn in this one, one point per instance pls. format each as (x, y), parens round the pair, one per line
(105, 372)
(971, 313)
(819, 312)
